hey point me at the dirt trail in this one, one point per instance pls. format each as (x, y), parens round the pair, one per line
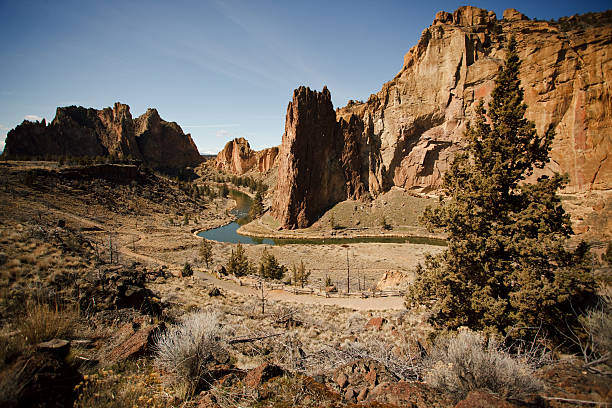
(386, 303)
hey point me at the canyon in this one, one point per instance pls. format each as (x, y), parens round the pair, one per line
(407, 134)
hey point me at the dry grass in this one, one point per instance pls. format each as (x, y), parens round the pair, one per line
(466, 362)
(43, 322)
(185, 349)
(135, 388)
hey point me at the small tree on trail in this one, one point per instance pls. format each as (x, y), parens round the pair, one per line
(238, 263)
(506, 264)
(269, 268)
(206, 251)
(300, 275)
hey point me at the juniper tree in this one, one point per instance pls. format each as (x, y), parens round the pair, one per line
(257, 207)
(238, 263)
(507, 263)
(269, 268)
(206, 251)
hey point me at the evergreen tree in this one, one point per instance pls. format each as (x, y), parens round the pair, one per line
(506, 264)
(257, 207)
(269, 268)
(206, 251)
(300, 275)
(238, 263)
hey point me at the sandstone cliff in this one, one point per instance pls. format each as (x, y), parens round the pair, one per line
(310, 176)
(77, 131)
(407, 134)
(419, 117)
(237, 157)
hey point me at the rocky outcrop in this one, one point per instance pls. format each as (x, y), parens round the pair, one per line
(407, 134)
(310, 174)
(418, 119)
(237, 157)
(81, 132)
(163, 144)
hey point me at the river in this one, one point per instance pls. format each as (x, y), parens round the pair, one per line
(228, 233)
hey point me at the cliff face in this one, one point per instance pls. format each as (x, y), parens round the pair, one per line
(237, 157)
(407, 134)
(163, 144)
(310, 176)
(419, 117)
(77, 131)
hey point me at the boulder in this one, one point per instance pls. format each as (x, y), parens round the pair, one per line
(41, 379)
(261, 374)
(483, 399)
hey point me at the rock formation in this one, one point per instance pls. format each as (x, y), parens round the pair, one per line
(81, 132)
(420, 116)
(237, 157)
(407, 134)
(310, 175)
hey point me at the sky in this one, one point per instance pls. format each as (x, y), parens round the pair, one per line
(220, 69)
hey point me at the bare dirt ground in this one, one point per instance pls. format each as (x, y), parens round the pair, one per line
(154, 224)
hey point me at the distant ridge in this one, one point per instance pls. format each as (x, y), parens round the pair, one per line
(110, 132)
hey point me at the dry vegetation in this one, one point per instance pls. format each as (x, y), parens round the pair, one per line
(56, 281)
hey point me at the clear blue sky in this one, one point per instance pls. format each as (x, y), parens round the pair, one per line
(220, 69)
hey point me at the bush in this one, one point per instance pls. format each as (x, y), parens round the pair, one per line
(597, 324)
(44, 322)
(187, 270)
(269, 268)
(238, 264)
(185, 349)
(457, 365)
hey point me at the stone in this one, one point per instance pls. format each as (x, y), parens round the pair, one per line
(237, 157)
(483, 399)
(138, 343)
(408, 394)
(341, 380)
(362, 394)
(220, 271)
(213, 292)
(80, 132)
(376, 323)
(407, 134)
(261, 374)
(59, 347)
(38, 379)
(350, 395)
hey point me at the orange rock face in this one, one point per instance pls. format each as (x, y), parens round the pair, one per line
(407, 134)
(418, 119)
(237, 157)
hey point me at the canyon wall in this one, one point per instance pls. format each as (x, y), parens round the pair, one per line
(420, 116)
(407, 134)
(81, 132)
(237, 157)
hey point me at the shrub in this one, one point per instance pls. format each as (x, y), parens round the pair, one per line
(187, 270)
(269, 268)
(206, 251)
(597, 324)
(238, 264)
(44, 322)
(466, 362)
(184, 350)
(300, 275)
